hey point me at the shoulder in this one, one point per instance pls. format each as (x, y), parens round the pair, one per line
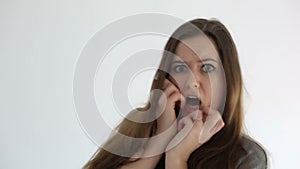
(254, 156)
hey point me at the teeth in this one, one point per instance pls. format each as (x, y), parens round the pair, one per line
(192, 97)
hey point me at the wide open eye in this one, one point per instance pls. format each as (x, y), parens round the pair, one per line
(208, 68)
(180, 68)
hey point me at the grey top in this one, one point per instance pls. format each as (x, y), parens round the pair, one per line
(255, 157)
(251, 156)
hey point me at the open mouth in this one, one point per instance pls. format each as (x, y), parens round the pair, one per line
(193, 101)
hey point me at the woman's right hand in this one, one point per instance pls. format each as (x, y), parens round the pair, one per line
(167, 102)
(166, 128)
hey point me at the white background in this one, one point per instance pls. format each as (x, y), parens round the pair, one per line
(40, 42)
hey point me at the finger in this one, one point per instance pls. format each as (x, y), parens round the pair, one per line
(197, 115)
(162, 101)
(169, 103)
(207, 110)
(212, 118)
(198, 119)
(187, 124)
(176, 96)
(166, 83)
(183, 101)
(212, 124)
(170, 89)
(188, 118)
(220, 124)
(183, 122)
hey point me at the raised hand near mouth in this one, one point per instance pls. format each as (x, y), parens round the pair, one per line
(166, 103)
(193, 131)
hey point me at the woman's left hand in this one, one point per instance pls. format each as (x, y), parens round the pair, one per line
(194, 130)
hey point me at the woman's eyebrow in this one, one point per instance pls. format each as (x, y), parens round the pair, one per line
(202, 60)
(179, 61)
(207, 59)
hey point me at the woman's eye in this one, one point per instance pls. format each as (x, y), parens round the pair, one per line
(208, 68)
(180, 68)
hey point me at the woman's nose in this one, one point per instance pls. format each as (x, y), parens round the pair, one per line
(193, 81)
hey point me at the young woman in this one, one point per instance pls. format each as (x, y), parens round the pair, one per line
(199, 111)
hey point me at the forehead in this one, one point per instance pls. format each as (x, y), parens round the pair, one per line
(197, 48)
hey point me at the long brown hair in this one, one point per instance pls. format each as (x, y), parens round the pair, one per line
(223, 149)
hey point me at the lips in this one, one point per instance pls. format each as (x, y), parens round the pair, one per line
(193, 103)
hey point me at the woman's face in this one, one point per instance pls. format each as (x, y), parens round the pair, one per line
(198, 73)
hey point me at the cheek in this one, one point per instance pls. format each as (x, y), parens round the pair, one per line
(178, 81)
(174, 81)
(218, 93)
(206, 89)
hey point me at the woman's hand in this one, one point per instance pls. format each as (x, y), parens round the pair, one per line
(193, 131)
(167, 116)
(166, 128)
